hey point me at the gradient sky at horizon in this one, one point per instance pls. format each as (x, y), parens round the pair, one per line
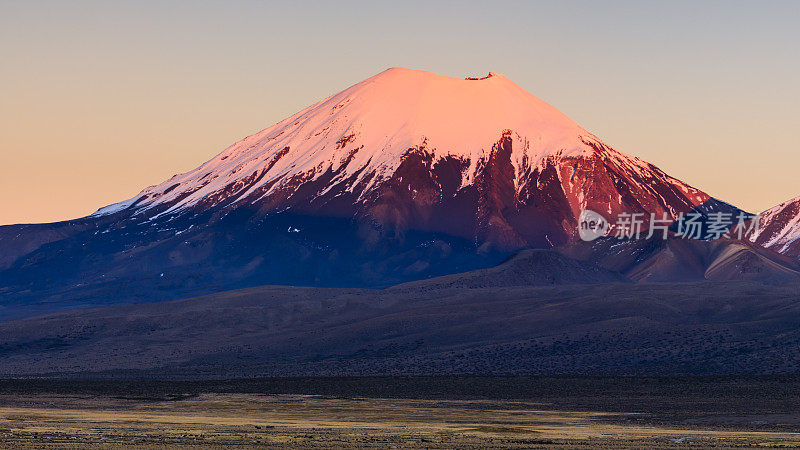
(100, 99)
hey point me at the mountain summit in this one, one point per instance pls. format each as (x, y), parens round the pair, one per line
(478, 158)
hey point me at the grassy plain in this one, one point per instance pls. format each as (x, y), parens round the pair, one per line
(647, 418)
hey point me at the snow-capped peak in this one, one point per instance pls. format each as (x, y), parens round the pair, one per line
(779, 228)
(367, 128)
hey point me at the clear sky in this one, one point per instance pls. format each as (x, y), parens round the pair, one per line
(101, 99)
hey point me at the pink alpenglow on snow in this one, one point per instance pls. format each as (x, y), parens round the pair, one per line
(480, 158)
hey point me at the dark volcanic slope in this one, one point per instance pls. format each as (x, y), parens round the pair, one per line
(526, 268)
(624, 328)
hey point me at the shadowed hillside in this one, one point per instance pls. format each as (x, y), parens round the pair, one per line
(617, 328)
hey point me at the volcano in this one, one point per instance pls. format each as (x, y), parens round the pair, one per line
(479, 158)
(405, 175)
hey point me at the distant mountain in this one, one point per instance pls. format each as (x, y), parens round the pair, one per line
(780, 228)
(406, 175)
(681, 260)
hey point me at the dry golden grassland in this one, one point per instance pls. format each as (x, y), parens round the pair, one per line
(249, 420)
